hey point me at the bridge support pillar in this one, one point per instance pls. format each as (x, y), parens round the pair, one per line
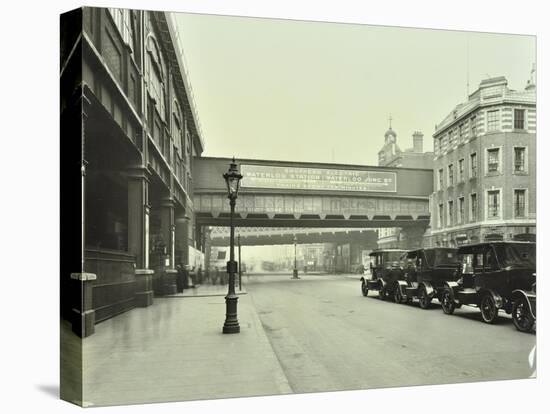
(411, 237)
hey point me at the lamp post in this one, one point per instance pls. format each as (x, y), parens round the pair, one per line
(295, 271)
(232, 179)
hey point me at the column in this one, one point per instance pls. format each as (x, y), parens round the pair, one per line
(168, 232)
(138, 233)
(182, 247)
(182, 238)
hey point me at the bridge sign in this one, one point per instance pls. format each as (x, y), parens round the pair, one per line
(280, 177)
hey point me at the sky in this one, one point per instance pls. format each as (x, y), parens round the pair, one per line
(323, 92)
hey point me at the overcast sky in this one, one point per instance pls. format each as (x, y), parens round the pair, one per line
(311, 91)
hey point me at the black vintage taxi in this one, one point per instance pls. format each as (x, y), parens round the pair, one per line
(493, 276)
(385, 269)
(426, 271)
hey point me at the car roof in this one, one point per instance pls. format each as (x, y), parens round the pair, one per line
(431, 248)
(374, 252)
(469, 247)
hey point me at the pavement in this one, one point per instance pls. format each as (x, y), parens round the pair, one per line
(174, 350)
(207, 290)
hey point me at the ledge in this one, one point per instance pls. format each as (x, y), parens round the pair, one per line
(83, 276)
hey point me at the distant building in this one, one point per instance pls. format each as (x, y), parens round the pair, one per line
(484, 167)
(391, 155)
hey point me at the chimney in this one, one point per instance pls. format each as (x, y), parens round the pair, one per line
(418, 139)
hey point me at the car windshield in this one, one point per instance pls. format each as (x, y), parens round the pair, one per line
(442, 257)
(517, 254)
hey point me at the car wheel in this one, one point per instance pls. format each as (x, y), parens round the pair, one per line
(488, 307)
(364, 288)
(521, 315)
(397, 294)
(448, 301)
(423, 299)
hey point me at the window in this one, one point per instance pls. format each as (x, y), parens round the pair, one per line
(155, 76)
(440, 176)
(450, 139)
(493, 204)
(493, 159)
(519, 159)
(461, 210)
(461, 170)
(473, 207)
(519, 203)
(124, 21)
(473, 126)
(460, 132)
(473, 165)
(440, 211)
(440, 142)
(450, 213)
(492, 120)
(451, 175)
(519, 118)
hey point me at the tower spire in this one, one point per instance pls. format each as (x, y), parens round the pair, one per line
(390, 119)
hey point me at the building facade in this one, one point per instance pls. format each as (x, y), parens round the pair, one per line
(391, 155)
(485, 167)
(129, 125)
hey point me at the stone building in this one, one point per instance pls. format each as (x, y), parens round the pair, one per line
(484, 167)
(391, 155)
(129, 133)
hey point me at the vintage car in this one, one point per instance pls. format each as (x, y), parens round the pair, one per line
(426, 271)
(493, 276)
(385, 268)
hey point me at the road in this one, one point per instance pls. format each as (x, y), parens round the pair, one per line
(327, 336)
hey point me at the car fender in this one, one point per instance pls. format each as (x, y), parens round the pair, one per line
(453, 286)
(363, 279)
(529, 296)
(429, 289)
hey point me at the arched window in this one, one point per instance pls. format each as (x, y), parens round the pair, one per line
(155, 75)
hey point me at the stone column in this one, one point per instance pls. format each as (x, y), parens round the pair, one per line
(168, 231)
(138, 233)
(182, 237)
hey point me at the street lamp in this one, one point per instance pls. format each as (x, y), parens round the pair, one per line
(232, 179)
(295, 271)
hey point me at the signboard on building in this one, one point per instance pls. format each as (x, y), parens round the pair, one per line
(267, 176)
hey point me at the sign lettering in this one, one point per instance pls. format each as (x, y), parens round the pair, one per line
(265, 176)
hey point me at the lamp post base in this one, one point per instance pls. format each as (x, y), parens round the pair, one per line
(295, 274)
(231, 324)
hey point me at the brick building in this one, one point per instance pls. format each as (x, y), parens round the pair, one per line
(484, 167)
(391, 155)
(129, 133)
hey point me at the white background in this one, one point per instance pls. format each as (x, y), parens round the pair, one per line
(29, 208)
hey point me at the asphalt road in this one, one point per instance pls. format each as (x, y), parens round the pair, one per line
(327, 336)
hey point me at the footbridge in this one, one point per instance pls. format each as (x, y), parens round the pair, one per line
(313, 195)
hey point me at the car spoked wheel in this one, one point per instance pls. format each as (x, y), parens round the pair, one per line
(488, 307)
(423, 299)
(364, 288)
(521, 315)
(448, 301)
